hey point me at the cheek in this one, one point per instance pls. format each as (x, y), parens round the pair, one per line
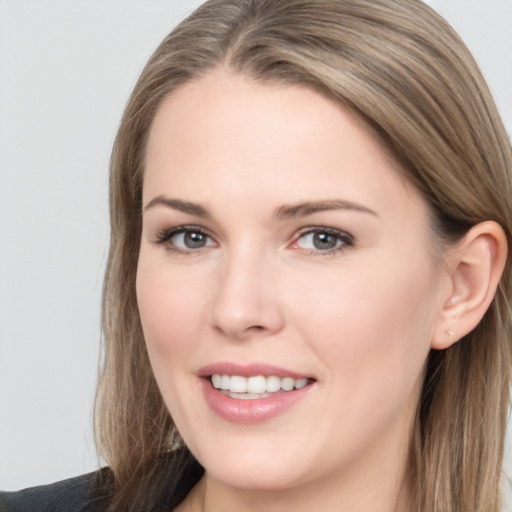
(171, 308)
(371, 327)
(170, 311)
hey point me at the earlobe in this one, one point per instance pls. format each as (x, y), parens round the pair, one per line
(475, 269)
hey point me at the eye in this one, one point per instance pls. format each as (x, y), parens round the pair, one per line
(185, 239)
(324, 241)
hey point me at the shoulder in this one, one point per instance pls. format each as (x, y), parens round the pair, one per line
(506, 493)
(77, 494)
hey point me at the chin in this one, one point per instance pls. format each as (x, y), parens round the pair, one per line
(251, 477)
(255, 464)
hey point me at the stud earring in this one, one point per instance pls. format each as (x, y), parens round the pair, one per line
(450, 333)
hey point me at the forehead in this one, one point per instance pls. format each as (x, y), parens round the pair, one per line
(225, 133)
(227, 100)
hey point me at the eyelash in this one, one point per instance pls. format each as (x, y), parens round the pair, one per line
(346, 239)
(164, 236)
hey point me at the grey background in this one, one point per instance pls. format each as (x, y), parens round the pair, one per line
(66, 70)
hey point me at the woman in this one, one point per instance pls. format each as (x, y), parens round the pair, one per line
(307, 300)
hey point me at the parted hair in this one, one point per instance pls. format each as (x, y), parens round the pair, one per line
(401, 68)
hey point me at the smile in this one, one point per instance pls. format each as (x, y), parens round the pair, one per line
(254, 393)
(252, 388)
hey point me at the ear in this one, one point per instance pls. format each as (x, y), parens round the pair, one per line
(474, 271)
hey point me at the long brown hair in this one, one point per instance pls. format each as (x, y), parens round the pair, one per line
(405, 72)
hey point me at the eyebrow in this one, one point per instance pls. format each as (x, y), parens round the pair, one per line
(311, 207)
(282, 213)
(180, 205)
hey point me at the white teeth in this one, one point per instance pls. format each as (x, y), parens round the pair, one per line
(300, 383)
(287, 383)
(248, 396)
(273, 384)
(237, 384)
(255, 387)
(216, 380)
(224, 382)
(256, 384)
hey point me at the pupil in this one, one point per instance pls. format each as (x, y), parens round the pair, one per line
(324, 241)
(194, 240)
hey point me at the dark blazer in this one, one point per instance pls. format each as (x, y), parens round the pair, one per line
(72, 495)
(174, 474)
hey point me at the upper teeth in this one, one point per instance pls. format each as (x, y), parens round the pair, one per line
(257, 384)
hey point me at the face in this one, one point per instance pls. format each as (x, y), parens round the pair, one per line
(287, 285)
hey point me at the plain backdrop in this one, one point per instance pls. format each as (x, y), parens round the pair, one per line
(66, 70)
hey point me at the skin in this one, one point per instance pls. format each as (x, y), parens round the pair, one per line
(359, 320)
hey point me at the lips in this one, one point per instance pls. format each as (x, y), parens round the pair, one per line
(252, 393)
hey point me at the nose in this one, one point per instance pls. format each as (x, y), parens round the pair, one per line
(246, 302)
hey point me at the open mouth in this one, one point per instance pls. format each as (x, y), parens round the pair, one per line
(252, 393)
(256, 387)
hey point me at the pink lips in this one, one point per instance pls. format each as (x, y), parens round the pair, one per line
(255, 410)
(226, 368)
